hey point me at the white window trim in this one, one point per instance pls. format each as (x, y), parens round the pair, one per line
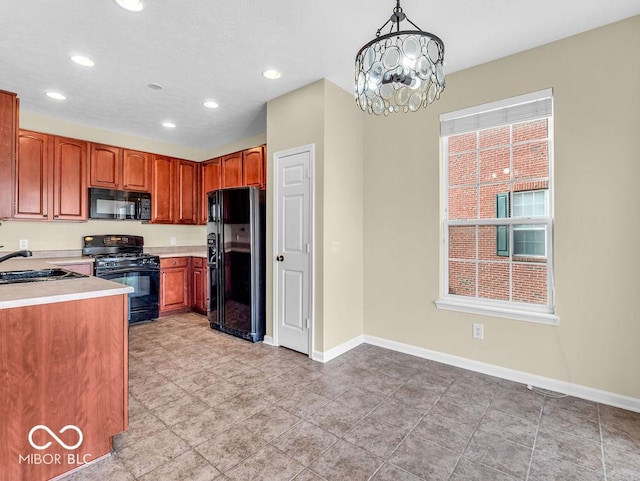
(541, 314)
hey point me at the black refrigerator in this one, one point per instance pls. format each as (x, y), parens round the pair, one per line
(236, 257)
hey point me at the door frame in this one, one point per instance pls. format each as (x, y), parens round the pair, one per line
(310, 148)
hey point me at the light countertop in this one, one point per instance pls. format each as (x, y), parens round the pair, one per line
(47, 292)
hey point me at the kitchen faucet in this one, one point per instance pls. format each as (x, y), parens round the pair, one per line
(16, 254)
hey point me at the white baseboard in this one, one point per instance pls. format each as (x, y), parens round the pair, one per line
(338, 350)
(268, 340)
(584, 392)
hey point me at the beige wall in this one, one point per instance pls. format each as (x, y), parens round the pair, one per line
(50, 125)
(293, 120)
(323, 114)
(595, 78)
(343, 217)
(60, 235)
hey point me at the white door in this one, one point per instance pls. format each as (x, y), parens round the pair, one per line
(293, 248)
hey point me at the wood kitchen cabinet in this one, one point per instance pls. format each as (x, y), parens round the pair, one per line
(210, 179)
(162, 190)
(174, 191)
(253, 167)
(232, 170)
(186, 192)
(174, 284)
(136, 170)
(50, 178)
(117, 168)
(199, 285)
(8, 145)
(63, 363)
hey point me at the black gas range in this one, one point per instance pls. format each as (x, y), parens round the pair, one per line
(120, 258)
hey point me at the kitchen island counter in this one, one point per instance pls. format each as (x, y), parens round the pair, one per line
(64, 359)
(48, 292)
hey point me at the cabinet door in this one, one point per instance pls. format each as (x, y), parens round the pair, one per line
(197, 287)
(174, 284)
(106, 166)
(32, 175)
(210, 180)
(187, 192)
(252, 166)
(232, 170)
(162, 189)
(8, 143)
(70, 195)
(136, 171)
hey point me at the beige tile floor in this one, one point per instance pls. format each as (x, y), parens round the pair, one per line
(207, 406)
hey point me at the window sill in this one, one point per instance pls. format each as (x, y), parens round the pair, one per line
(538, 317)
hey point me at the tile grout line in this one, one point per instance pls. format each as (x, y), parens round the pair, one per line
(471, 437)
(535, 438)
(604, 463)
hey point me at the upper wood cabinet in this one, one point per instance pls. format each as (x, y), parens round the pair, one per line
(186, 192)
(210, 179)
(32, 172)
(174, 191)
(136, 170)
(117, 168)
(8, 146)
(253, 167)
(70, 165)
(232, 170)
(50, 178)
(106, 167)
(162, 190)
(244, 168)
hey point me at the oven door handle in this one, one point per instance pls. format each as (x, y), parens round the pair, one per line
(128, 270)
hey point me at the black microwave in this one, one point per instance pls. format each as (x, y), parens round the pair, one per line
(119, 204)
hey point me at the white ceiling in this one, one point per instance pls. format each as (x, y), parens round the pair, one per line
(209, 49)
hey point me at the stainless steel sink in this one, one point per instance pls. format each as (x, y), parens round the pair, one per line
(40, 275)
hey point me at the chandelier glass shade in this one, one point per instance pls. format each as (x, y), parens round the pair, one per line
(400, 71)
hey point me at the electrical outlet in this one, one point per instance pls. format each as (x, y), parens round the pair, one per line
(24, 243)
(172, 241)
(478, 331)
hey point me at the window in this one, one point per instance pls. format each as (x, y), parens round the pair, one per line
(528, 240)
(497, 165)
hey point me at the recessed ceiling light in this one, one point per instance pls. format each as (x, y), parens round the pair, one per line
(131, 5)
(169, 125)
(271, 74)
(210, 104)
(56, 95)
(82, 60)
(154, 86)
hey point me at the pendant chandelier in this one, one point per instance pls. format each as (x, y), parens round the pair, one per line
(399, 71)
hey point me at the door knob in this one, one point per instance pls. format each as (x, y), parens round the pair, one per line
(280, 258)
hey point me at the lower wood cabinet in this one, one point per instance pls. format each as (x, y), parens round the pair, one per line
(174, 284)
(184, 285)
(63, 363)
(199, 285)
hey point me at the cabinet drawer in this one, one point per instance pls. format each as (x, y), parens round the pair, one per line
(197, 262)
(169, 262)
